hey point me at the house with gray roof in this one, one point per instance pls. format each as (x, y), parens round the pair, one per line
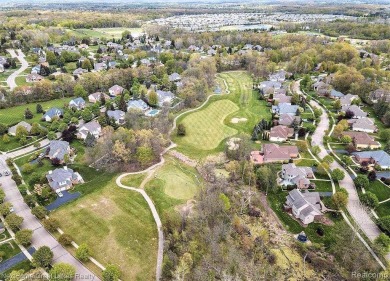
(137, 104)
(363, 125)
(118, 115)
(58, 149)
(77, 103)
(298, 176)
(63, 179)
(348, 99)
(164, 97)
(269, 87)
(174, 77)
(79, 71)
(356, 110)
(279, 76)
(92, 127)
(336, 94)
(375, 157)
(304, 206)
(12, 130)
(285, 108)
(52, 113)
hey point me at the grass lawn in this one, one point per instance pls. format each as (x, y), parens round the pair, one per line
(13, 115)
(116, 32)
(305, 162)
(70, 67)
(323, 186)
(9, 249)
(117, 225)
(12, 144)
(133, 180)
(21, 81)
(379, 189)
(25, 265)
(383, 209)
(209, 127)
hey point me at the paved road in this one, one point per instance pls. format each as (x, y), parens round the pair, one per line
(41, 237)
(20, 56)
(354, 207)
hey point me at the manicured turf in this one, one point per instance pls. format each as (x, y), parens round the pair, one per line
(118, 226)
(133, 180)
(205, 132)
(379, 189)
(383, 209)
(12, 144)
(8, 250)
(13, 115)
(116, 32)
(21, 81)
(323, 186)
(205, 128)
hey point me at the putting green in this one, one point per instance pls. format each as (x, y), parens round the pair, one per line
(205, 128)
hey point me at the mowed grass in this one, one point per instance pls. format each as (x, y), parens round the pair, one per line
(205, 128)
(13, 115)
(133, 180)
(118, 227)
(380, 190)
(116, 32)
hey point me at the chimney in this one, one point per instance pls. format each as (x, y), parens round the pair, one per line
(65, 168)
(50, 172)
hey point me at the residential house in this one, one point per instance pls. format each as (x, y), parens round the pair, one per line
(116, 90)
(12, 130)
(118, 115)
(363, 125)
(269, 87)
(79, 71)
(298, 176)
(282, 98)
(279, 76)
(58, 149)
(96, 97)
(99, 66)
(288, 120)
(380, 94)
(63, 179)
(92, 127)
(77, 103)
(137, 104)
(52, 113)
(33, 77)
(165, 97)
(375, 157)
(272, 153)
(362, 140)
(280, 133)
(174, 77)
(356, 110)
(285, 108)
(304, 206)
(348, 99)
(336, 94)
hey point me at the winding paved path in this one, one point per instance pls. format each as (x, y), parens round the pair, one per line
(149, 171)
(21, 57)
(354, 207)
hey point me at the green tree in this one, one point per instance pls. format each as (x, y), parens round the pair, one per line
(24, 237)
(28, 168)
(328, 159)
(337, 105)
(86, 64)
(337, 174)
(346, 139)
(51, 224)
(79, 91)
(87, 115)
(14, 221)
(153, 98)
(83, 252)
(39, 211)
(28, 114)
(370, 199)
(384, 223)
(144, 155)
(5, 209)
(51, 135)
(35, 129)
(340, 199)
(111, 273)
(6, 139)
(21, 132)
(65, 239)
(62, 272)
(39, 108)
(42, 257)
(181, 130)
(316, 149)
(361, 181)
(382, 242)
(90, 140)
(266, 178)
(2, 196)
(3, 128)
(15, 275)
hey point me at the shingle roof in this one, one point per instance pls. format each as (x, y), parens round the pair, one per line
(380, 156)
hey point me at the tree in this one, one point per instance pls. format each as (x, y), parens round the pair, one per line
(371, 175)
(383, 243)
(361, 181)
(111, 273)
(6, 139)
(62, 272)
(346, 139)
(144, 155)
(65, 239)
(79, 91)
(14, 221)
(28, 114)
(3, 128)
(181, 130)
(86, 64)
(2, 196)
(90, 140)
(24, 237)
(337, 174)
(302, 146)
(385, 134)
(39, 108)
(384, 223)
(35, 129)
(328, 159)
(21, 132)
(15, 275)
(340, 199)
(51, 224)
(5, 209)
(153, 98)
(322, 168)
(266, 178)
(337, 105)
(39, 211)
(316, 149)
(370, 199)
(83, 252)
(87, 115)
(51, 135)
(42, 257)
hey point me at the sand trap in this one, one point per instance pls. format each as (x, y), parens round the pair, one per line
(236, 120)
(233, 143)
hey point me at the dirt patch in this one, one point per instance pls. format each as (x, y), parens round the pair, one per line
(185, 210)
(236, 120)
(233, 143)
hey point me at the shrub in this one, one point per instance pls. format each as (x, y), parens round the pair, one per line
(24, 237)
(65, 239)
(83, 252)
(369, 199)
(50, 224)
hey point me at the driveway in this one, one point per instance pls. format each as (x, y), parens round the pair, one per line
(354, 207)
(41, 237)
(20, 56)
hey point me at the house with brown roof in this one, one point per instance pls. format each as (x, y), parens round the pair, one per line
(282, 98)
(273, 153)
(95, 97)
(280, 133)
(288, 120)
(298, 176)
(33, 77)
(362, 140)
(115, 90)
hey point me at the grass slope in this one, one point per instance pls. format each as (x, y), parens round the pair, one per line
(118, 226)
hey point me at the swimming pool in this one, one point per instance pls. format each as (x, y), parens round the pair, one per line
(152, 112)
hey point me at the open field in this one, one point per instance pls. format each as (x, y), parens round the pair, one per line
(208, 127)
(13, 115)
(117, 225)
(114, 32)
(133, 180)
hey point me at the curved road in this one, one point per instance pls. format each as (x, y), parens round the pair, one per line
(21, 57)
(160, 253)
